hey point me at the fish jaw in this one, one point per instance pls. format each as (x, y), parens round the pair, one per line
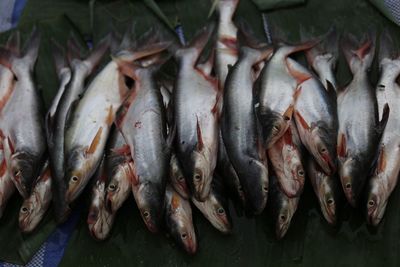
(78, 173)
(22, 172)
(215, 213)
(202, 175)
(348, 174)
(119, 187)
(150, 201)
(377, 199)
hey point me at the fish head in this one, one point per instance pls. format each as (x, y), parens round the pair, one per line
(274, 126)
(150, 201)
(326, 196)
(284, 216)
(180, 224)
(31, 212)
(23, 170)
(257, 193)
(177, 178)
(118, 189)
(323, 148)
(100, 222)
(218, 213)
(351, 176)
(377, 199)
(294, 174)
(78, 172)
(202, 177)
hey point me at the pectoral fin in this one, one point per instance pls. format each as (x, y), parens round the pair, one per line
(95, 142)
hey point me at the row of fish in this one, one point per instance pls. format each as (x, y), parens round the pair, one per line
(242, 120)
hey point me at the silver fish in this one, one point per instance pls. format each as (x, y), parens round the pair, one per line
(240, 131)
(385, 175)
(316, 119)
(72, 85)
(359, 128)
(283, 208)
(178, 220)
(197, 109)
(22, 119)
(286, 159)
(35, 206)
(100, 220)
(215, 208)
(176, 177)
(326, 188)
(279, 82)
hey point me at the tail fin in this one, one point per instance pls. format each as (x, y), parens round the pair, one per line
(60, 59)
(359, 55)
(73, 48)
(387, 48)
(226, 9)
(31, 48)
(97, 54)
(13, 43)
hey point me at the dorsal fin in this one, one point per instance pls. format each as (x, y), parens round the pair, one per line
(200, 143)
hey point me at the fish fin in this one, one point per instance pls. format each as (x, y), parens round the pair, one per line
(342, 146)
(123, 150)
(207, 66)
(217, 108)
(200, 143)
(60, 59)
(287, 136)
(14, 42)
(73, 48)
(226, 9)
(95, 142)
(3, 167)
(134, 178)
(11, 145)
(128, 68)
(110, 116)
(385, 116)
(298, 75)
(331, 91)
(98, 52)
(175, 201)
(31, 48)
(359, 55)
(387, 48)
(129, 37)
(6, 58)
(301, 121)
(171, 136)
(382, 161)
(119, 120)
(70, 113)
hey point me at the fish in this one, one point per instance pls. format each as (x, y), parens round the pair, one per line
(100, 220)
(119, 168)
(7, 187)
(196, 99)
(72, 76)
(385, 175)
(143, 123)
(216, 207)
(326, 188)
(89, 124)
(359, 128)
(278, 90)
(178, 220)
(21, 119)
(323, 57)
(177, 178)
(227, 46)
(36, 205)
(283, 208)
(286, 160)
(240, 129)
(230, 178)
(316, 119)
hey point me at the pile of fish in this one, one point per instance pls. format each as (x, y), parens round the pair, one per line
(241, 120)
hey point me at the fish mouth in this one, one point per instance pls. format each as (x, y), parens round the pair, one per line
(374, 212)
(281, 230)
(191, 246)
(329, 212)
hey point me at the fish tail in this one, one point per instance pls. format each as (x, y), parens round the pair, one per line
(32, 48)
(97, 54)
(359, 54)
(13, 42)
(387, 47)
(60, 59)
(226, 9)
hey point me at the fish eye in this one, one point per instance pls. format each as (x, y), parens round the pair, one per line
(300, 172)
(329, 201)
(240, 188)
(112, 187)
(371, 203)
(184, 235)
(276, 128)
(197, 177)
(146, 214)
(180, 178)
(282, 217)
(265, 188)
(348, 186)
(74, 179)
(322, 150)
(24, 209)
(286, 118)
(220, 210)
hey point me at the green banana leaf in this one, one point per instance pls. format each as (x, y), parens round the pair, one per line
(309, 241)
